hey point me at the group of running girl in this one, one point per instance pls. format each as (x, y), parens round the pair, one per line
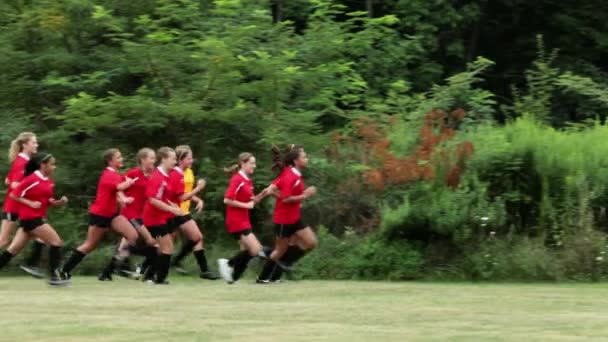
(147, 206)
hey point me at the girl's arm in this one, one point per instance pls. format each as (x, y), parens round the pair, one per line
(238, 204)
(25, 201)
(200, 185)
(58, 202)
(309, 192)
(126, 184)
(175, 210)
(199, 203)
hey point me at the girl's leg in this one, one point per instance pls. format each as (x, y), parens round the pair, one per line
(18, 243)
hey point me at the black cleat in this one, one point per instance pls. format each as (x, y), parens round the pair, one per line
(57, 280)
(209, 275)
(105, 277)
(33, 271)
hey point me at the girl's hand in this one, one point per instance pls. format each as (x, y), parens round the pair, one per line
(199, 206)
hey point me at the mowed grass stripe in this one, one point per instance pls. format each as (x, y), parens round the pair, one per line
(195, 310)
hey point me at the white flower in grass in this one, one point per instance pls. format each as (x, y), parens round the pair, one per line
(599, 258)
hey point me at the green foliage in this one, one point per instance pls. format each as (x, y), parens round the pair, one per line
(353, 257)
(222, 77)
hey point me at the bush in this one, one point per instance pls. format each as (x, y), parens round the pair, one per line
(356, 257)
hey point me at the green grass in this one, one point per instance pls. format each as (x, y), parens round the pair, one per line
(192, 310)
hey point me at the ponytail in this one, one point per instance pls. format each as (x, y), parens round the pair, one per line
(17, 144)
(243, 158)
(288, 158)
(35, 162)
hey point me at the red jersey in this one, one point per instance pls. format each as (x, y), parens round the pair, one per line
(177, 184)
(239, 189)
(137, 191)
(35, 187)
(15, 175)
(159, 187)
(290, 183)
(105, 203)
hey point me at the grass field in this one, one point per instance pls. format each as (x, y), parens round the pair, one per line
(192, 310)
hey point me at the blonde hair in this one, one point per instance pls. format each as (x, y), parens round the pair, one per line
(142, 154)
(109, 154)
(243, 158)
(182, 151)
(17, 144)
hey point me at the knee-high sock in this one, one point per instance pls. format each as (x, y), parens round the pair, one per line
(291, 256)
(268, 269)
(187, 247)
(5, 258)
(162, 267)
(34, 258)
(54, 258)
(73, 261)
(239, 262)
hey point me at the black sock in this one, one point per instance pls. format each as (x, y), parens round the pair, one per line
(149, 263)
(34, 258)
(201, 260)
(5, 257)
(54, 258)
(187, 247)
(163, 263)
(73, 261)
(268, 269)
(239, 262)
(109, 269)
(291, 256)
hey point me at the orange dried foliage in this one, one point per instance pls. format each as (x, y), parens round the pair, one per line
(438, 128)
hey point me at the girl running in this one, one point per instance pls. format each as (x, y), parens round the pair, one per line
(239, 199)
(132, 212)
(22, 148)
(103, 213)
(35, 195)
(159, 212)
(189, 228)
(290, 192)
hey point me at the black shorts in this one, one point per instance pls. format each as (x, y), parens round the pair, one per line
(287, 230)
(136, 223)
(13, 217)
(101, 221)
(161, 230)
(237, 235)
(29, 225)
(177, 221)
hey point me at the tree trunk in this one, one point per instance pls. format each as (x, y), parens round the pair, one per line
(369, 6)
(277, 11)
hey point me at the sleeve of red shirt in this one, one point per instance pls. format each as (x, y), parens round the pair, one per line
(15, 174)
(22, 186)
(231, 191)
(114, 180)
(131, 173)
(286, 186)
(178, 184)
(152, 190)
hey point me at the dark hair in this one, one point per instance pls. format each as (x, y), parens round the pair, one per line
(287, 158)
(243, 158)
(36, 161)
(109, 154)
